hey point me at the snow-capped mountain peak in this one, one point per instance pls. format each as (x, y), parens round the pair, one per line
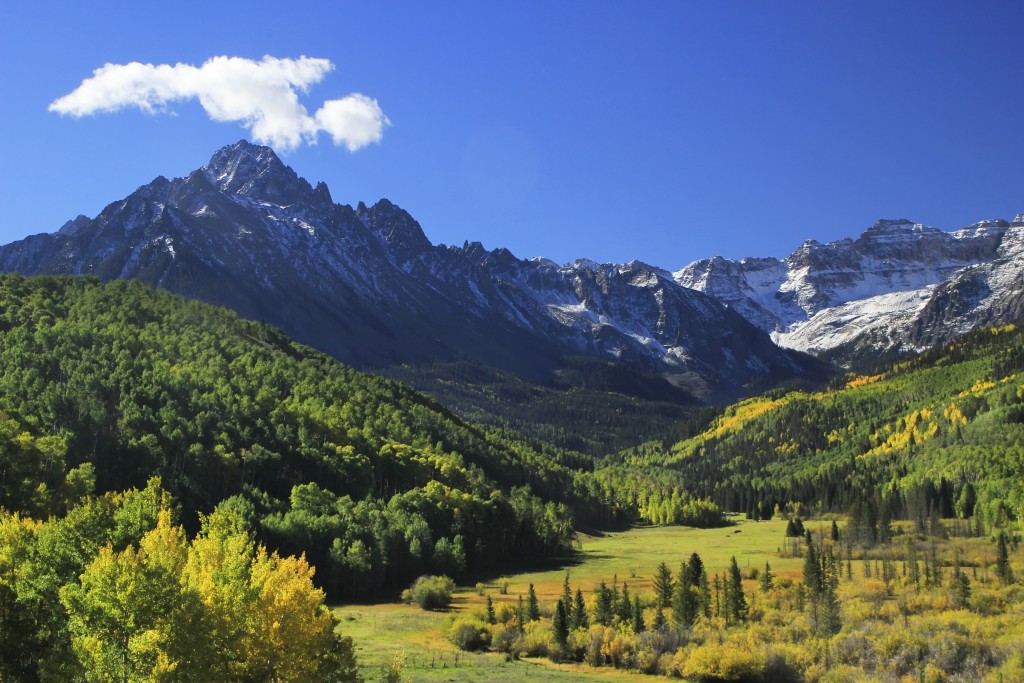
(366, 285)
(869, 295)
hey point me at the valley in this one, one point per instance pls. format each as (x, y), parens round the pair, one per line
(230, 365)
(893, 625)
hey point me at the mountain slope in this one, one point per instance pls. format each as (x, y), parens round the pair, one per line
(946, 421)
(115, 383)
(366, 286)
(898, 287)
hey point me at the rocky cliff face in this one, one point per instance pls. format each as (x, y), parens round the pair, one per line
(898, 286)
(365, 284)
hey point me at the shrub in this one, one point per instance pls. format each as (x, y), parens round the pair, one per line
(725, 662)
(467, 633)
(537, 639)
(430, 592)
(506, 639)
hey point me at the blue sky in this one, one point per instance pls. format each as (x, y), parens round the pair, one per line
(660, 131)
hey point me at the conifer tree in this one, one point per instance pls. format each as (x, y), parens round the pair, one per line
(567, 593)
(532, 607)
(659, 619)
(961, 587)
(704, 594)
(638, 616)
(1003, 570)
(491, 618)
(560, 624)
(663, 586)
(579, 612)
(830, 609)
(684, 599)
(766, 578)
(835, 532)
(735, 598)
(603, 606)
(696, 569)
(625, 607)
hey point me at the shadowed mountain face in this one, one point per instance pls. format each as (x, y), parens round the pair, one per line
(365, 285)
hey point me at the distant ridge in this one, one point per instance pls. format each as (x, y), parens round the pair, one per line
(900, 286)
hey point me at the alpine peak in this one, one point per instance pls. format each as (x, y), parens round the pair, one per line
(257, 172)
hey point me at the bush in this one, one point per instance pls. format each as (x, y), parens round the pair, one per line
(725, 662)
(430, 592)
(506, 639)
(537, 639)
(469, 634)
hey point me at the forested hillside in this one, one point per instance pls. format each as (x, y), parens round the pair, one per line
(114, 383)
(940, 434)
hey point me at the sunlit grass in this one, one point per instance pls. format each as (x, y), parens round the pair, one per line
(382, 631)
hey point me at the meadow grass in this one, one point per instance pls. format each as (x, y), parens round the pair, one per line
(382, 631)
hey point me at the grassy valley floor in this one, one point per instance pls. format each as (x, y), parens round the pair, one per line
(901, 616)
(384, 630)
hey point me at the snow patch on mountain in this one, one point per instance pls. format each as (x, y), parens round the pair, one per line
(871, 291)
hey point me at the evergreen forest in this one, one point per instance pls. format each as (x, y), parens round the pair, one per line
(169, 470)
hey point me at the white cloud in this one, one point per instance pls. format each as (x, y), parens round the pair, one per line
(262, 95)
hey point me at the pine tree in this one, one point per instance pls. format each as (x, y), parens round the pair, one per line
(735, 598)
(579, 612)
(603, 606)
(532, 607)
(567, 593)
(560, 624)
(625, 607)
(696, 568)
(638, 616)
(491, 618)
(791, 529)
(835, 532)
(767, 578)
(663, 585)
(831, 614)
(684, 599)
(813, 583)
(961, 587)
(704, 594)
(1003, 570)
(659, 619)
(521, 616)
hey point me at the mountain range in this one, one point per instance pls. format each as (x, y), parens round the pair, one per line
(365, 285)
(899, 287)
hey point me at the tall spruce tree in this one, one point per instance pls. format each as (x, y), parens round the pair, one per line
(560, 623)
(579, 612)
(624, 610)
(638, 616)
(1003, 570)
(767, 580)
(532, 606)
(735, 598)
(663, 585)
(491, 618)
(603, 606)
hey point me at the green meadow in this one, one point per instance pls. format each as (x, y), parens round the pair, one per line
(385, 630)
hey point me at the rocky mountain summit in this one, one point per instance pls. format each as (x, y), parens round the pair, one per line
(899, 286)
(366, 285)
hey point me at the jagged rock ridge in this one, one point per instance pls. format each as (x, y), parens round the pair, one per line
(900, 286)
(365, 284)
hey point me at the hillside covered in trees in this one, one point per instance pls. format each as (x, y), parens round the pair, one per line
(941, 434)
(106, 385)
